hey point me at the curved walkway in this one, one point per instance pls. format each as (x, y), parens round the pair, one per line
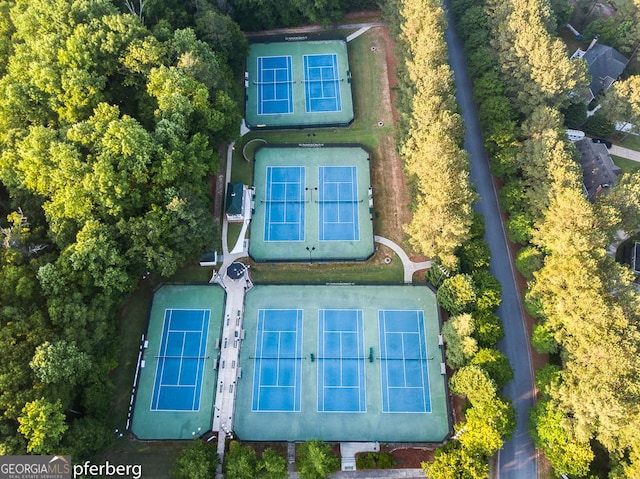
(410, 267)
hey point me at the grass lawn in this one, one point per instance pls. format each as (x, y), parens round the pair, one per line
(631, 141)
(627, 166)
(374, 271)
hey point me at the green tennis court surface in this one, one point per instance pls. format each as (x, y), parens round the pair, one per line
(311, 204)
(341, 363)
(176, 386)
(298, 84)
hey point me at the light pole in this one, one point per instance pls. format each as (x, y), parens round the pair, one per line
(313, 248)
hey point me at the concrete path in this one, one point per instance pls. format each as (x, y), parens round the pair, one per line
(348, 451)
(518, 458)
(410, 267)
(627, 153)
(357, 33)
(315, 28)
(375, 474)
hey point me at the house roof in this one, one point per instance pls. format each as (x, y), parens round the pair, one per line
(598, 169)
(606, 64)
(234, 199)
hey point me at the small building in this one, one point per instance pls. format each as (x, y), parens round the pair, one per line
(235, 204)
(599, 172)
(605, 64)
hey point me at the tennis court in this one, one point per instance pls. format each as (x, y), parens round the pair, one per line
(298, 84)
(277, 361)
(338, 203)
(322, 83)
(180, 366)
(284, 202)
(341, 357)
(341, 363)
(275, 89)
(403, 354)
(311, 204)
(176, 381)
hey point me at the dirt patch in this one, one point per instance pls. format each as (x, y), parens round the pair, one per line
(388, 171)
(409, 457)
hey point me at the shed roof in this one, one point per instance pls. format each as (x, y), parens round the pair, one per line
(234, 199)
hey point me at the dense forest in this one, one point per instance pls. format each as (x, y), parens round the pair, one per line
(586, 418)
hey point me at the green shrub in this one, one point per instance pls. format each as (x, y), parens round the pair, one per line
(375, 460)
(542, 339)
(488, 289)
(598, 125)
(529, 260)
(457, 294)
(511, 196)
(495, 364)
(520, 227)
(474, 255)
(488, 328)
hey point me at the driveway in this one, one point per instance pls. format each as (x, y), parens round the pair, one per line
(518, 458)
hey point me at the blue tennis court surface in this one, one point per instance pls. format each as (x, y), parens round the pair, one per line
(338, 203)
(322, 83)
(341, 384)
(403, 354)
(181, 358)
(278, 358)
(284, 198)
(275, 93)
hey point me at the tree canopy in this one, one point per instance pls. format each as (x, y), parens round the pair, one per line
(108, 133)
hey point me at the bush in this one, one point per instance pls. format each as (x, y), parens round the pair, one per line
(598, 125)
(197, 461)
(488, 290)
(457, 334)
(477, 226)
(495, 364)
(315, 460)
(488, 328)
(529, 260)
(542, 339)
(457, 294)
(520, 227)
(474, 255)
(375, 460)
(512, 197)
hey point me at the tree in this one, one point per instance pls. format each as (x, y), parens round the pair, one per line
(240, 462)
(625, 200)
(473, 382)
(457, 294)
(60, 361)
(456, 463)
(542, 339)
(196, 461)
(488, 290)
(315, 460)
(474, 255)
(271, 465)
(529, 260)
(43, 424)
(461, 346)
(488, 328)
(566, 455)
(495, 364)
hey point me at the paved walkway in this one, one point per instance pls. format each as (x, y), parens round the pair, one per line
(410, 267)
(627, 153)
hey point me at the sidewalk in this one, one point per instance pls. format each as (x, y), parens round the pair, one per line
(626, 153)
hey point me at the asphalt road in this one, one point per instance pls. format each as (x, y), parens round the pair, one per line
(518, 458)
